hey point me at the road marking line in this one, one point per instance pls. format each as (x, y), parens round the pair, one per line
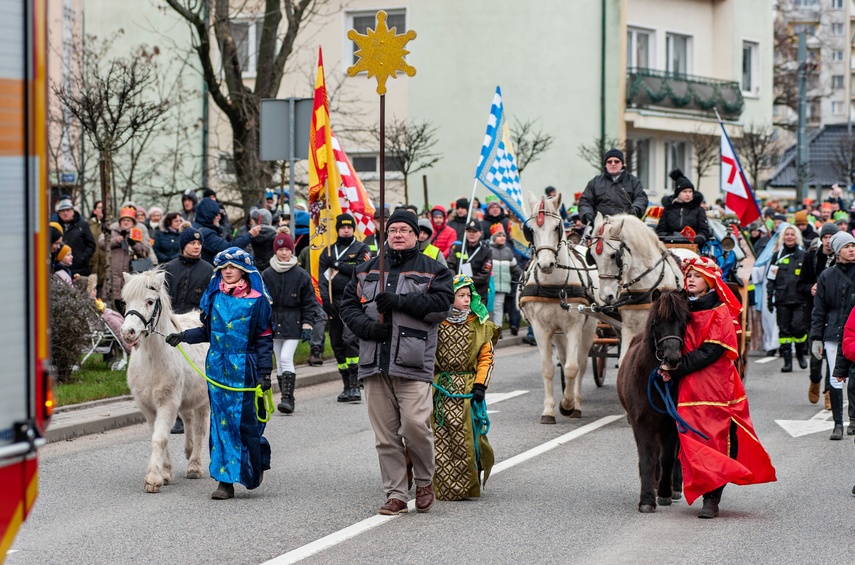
(493, 398)
(354, 530)
(765, 360)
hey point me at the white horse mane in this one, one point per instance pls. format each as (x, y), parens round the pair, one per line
(635, 234)
(138, 286)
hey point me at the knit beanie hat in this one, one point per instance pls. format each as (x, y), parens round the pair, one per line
(346, 220)
(188, 235)
(64, 204)
(839, 240)
(55, 232)
(399, 216)
(462, 203)
(155, 210)
(801, 218)
(283, 240)
(613, 152)
(63, 251)
(828, 229)
(681, 181)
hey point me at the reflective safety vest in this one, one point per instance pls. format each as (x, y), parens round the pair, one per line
(431, 251)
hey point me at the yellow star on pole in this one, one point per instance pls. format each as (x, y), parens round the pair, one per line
(381, 52)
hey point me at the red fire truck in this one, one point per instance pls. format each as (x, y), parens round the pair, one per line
(26, 399)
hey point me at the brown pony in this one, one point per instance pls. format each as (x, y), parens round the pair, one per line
(656, 436)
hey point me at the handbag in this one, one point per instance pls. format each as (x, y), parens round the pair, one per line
(141, 265)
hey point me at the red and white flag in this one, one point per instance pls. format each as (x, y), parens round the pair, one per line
(738, 196)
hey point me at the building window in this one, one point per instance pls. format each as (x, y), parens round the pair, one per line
(808, 28)
(837, 29)
(837, 55)
(361, 21)
(750, 67)
(371, 164)
(247, 36)
(837, 82)
(677, 52)
(837, 107)
(639, 49)
(675, 156)
(812, 111)
(805, 3)
(837, 4)
(641, 161)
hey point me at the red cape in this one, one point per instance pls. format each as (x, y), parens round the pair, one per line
(708, 400)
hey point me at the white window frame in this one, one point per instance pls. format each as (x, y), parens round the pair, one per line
(347, 44)
(669, 41)
(250, 70)
(754, 72)
(837, 55)
(671, 164)
(836, 4)
(837, 82)
(836, 107)
(837, 29)
(632, 34)
(644, 171)
(375, 174)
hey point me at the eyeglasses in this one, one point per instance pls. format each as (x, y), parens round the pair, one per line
(402, 232)
(613, 162)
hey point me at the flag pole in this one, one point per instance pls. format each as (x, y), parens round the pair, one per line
(468, 217)
(381, 251)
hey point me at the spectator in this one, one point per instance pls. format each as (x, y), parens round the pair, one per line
(125, 242)
(808, 234)
(188, 206)
(551, 192)
(262, 244)
(155, 217)
(62, 264)
(208, 216)
(759, 236)
(187, 276)
(495, 215)
(472, 258)
(505, 271)
(77, 235)
(458, 221)
(98, 262)
(425, 246)
(166, 239)
(443, 235)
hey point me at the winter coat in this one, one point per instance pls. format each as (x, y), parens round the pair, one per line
(834, 300)
(98, 263)
(166, 245)
(294, 302)
(433, 252)
(505, 268)
(262, 247)
(760, 243)
(677, 215)
(212, 239)
(77, 235)
(443, 236)
(846, 352)
(489, 221)
(814, 263)
(122, 250)
(609, 196)
(783, 289)
(191, 215)
(425, 287)
(458, 224)
(345, 258)
(186, 281)
(808, 235)
(481, 261)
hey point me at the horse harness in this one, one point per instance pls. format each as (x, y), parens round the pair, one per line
(155, 315)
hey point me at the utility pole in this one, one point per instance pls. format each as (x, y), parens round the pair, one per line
(802, 151)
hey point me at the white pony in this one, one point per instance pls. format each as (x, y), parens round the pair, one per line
(632, 263)
(557, 274)
(162, 382)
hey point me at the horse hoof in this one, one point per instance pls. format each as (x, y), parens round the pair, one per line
(676, 495)
(576, 414)
(151, 488)
(663, 501)
(564, 411)
(646, 508)
(547, 419)
(194, 475)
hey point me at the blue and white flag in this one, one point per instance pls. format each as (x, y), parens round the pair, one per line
(497, 167)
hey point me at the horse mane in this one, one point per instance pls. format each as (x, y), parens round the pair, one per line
(135, 289)
(638, 236)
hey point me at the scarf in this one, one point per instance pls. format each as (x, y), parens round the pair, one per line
(240, 288)
(282, 266)
(457, 316)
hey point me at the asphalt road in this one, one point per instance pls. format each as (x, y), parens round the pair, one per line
(571, 500)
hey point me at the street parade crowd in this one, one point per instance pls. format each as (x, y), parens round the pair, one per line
(416, 339)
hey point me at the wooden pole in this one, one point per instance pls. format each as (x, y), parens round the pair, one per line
(106, 216)
(381, 252)
(424, 187)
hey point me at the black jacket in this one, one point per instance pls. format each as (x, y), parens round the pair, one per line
(808, 235)
(77, 235)
(458, 224)
(482, 264)
(212, 236)
(166, 245)
(344, 259)
(834, 300)
(610, 196)
(784, 288)
(186, 281)
(677, 215)
(294, 302)
(489, 221)
(262, 247)
(815, 262)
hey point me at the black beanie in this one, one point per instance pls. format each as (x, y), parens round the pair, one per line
(462, 203)
(344, 220)
(405, 217)
(682, 183)
(613, 152)
(187, 235)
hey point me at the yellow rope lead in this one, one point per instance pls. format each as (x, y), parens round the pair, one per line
(265, 396)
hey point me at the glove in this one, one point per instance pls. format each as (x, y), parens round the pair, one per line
(379, 332)
(306, 335)
(816, 349)
(700, 241)
(175, 339)
(587, 219)
(771, 306)
(264, 380)
(478, 392)
(387, 301)
(123, 233)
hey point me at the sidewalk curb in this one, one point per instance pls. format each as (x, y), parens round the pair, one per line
(98, 416)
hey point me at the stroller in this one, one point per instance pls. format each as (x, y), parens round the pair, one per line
(104, 335)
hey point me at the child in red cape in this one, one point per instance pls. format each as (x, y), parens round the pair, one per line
(711, 398)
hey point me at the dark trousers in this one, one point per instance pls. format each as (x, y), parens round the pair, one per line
(510, 307)
(790, 318)
(345, 345)
(734, 449)
(316, 342)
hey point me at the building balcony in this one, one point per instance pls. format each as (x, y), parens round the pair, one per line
(649, 88)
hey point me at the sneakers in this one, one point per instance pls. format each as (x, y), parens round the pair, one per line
(424, 498)
(813, 393)
(837, 434)
(529, 340)
(710, 509)
(514, 330)
(393, 507)
(224, 491)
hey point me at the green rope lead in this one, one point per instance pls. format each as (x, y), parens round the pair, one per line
(265, 396)
(478, 411)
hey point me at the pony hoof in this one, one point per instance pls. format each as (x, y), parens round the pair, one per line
(194, 475)
(151, 488)
(547, 419)
(676, 495)
(662, 501)
(573, 413)
(646, 508)
(565, 412)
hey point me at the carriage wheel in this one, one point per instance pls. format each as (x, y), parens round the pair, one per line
(599, 357)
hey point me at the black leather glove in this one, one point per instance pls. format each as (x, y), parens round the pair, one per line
(588, 219)
(771, 306)
(478, 392)
(387, 301)
(123, 233)
(700, 241)
(175, 339)
(264, 379)
(306, 335)
(379, 332)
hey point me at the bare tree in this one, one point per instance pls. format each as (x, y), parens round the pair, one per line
(843, 158)
(409, 147)
(594, 152)
(529, 143)
(706, 149)
(758, 149)
(223, 74)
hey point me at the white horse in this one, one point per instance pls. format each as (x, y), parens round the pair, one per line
(162, 382)
(557, 274)
(632, 263)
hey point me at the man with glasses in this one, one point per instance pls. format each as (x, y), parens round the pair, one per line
(615, 191)
(396, 356)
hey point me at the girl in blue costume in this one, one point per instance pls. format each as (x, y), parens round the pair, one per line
(235, 315)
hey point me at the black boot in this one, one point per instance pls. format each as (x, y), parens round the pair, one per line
(315, 357)
(345, 378)
(801, 354)
(710, 509)
(353, 382)
(286, 387)
(787, 354)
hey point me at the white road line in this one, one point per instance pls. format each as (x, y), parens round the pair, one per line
(354, 530)
(765, 360)
(492, 398)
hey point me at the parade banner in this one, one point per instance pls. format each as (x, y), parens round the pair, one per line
(739, 197)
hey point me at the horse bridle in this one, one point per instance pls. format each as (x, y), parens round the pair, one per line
(155, 315)
(666, 338)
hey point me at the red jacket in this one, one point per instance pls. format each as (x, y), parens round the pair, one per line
(443, 236)
(849, 337)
